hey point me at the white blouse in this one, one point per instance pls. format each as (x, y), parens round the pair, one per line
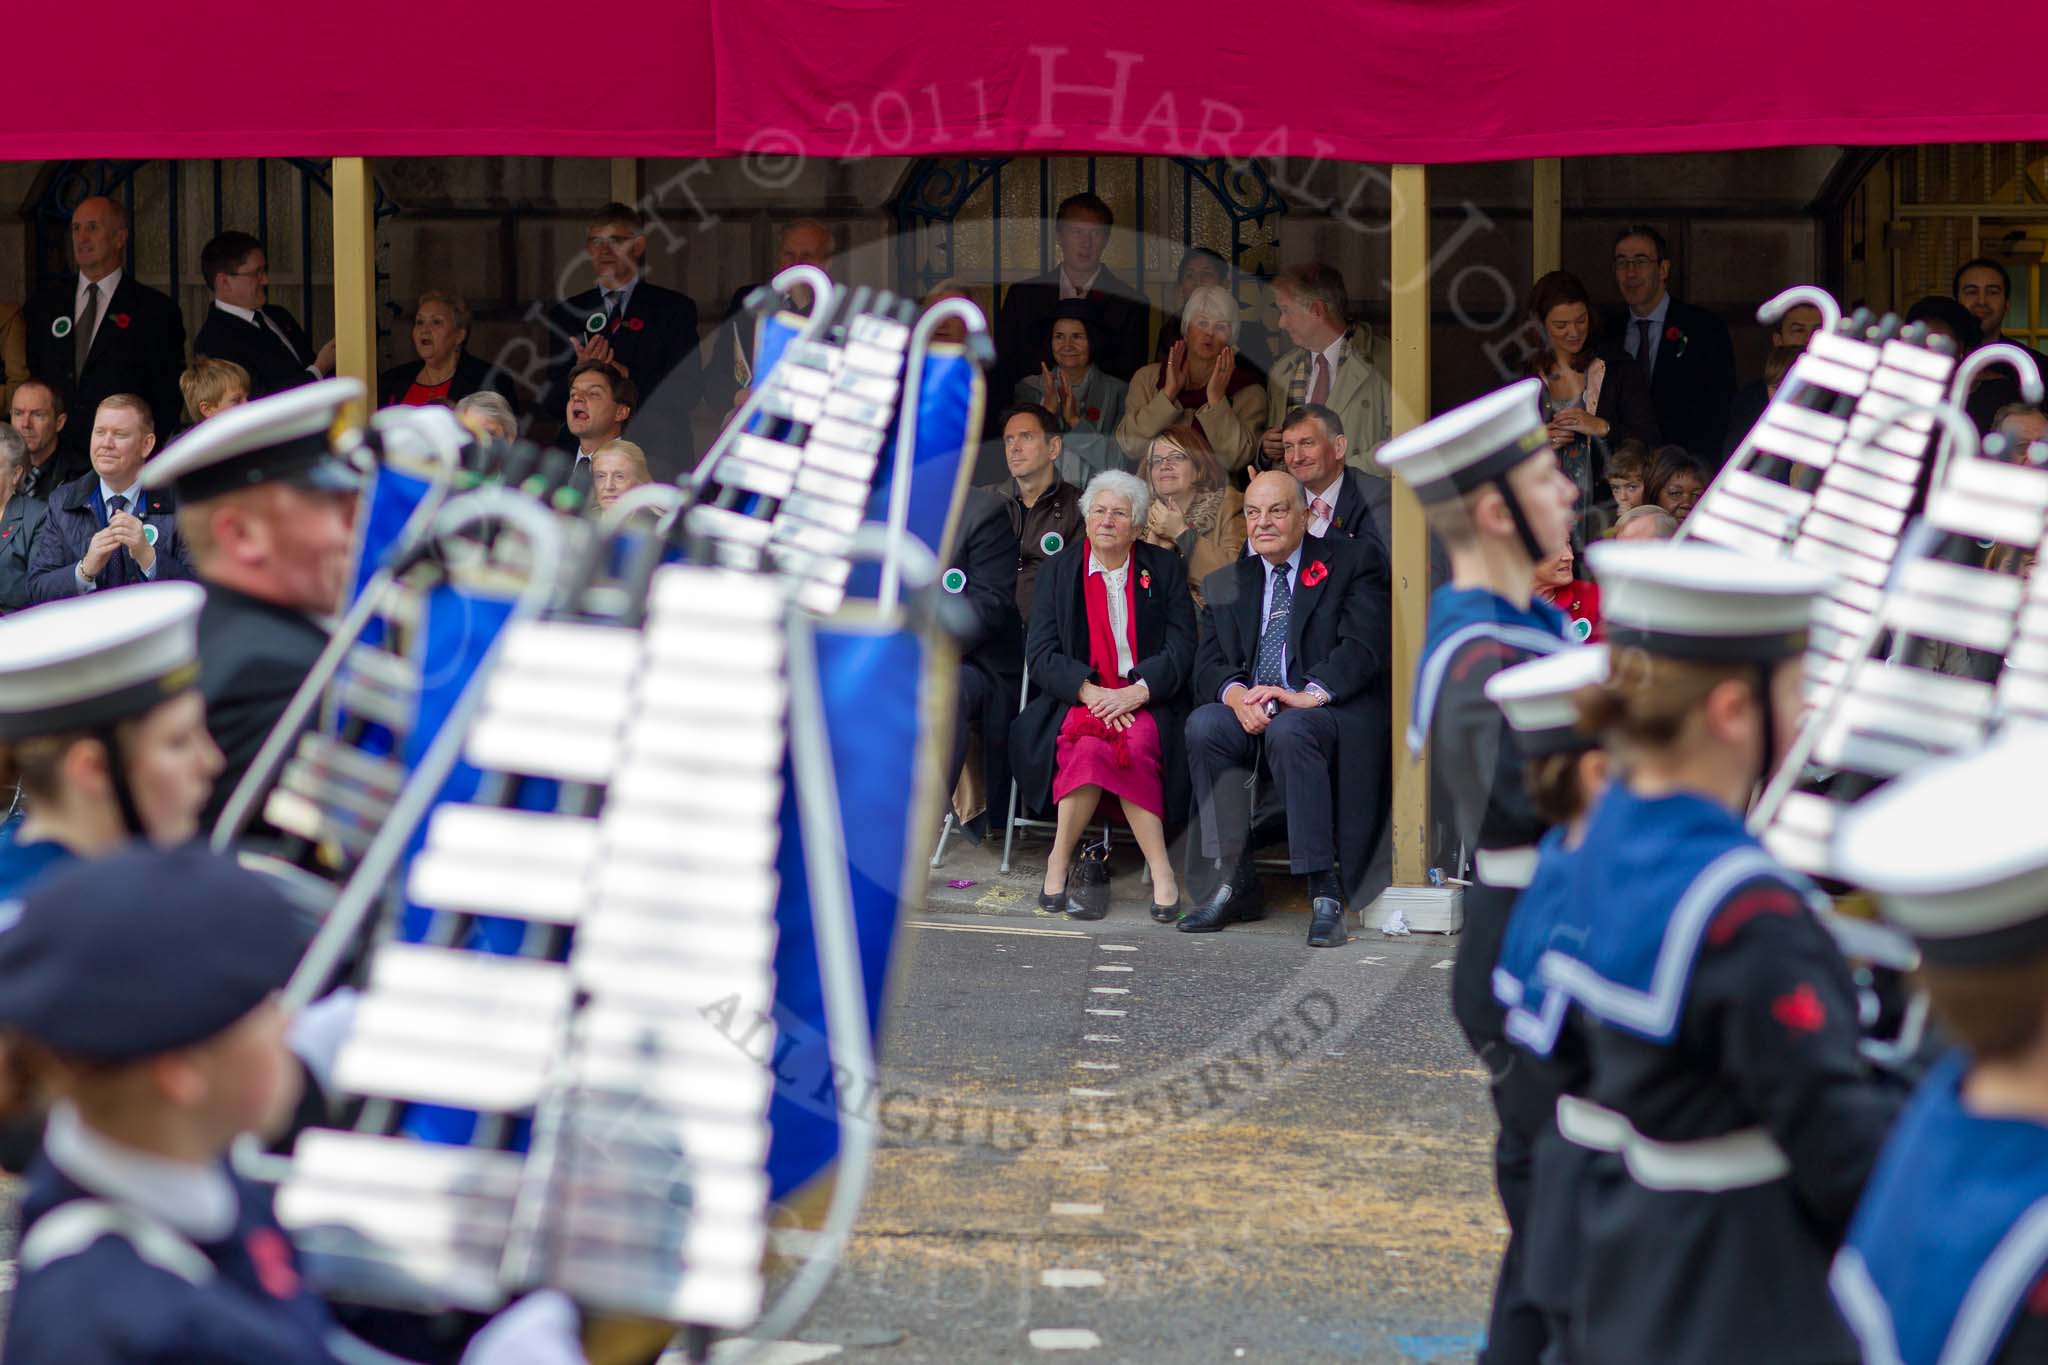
(1114, 580)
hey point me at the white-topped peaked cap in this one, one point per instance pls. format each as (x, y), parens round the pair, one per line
(1696, 602)
(1956, 851)
(285, 438)
(89, 661)
(1469, 446)
(1536, 697)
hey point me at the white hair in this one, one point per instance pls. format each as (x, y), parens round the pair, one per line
(1210, 301)
(1129, 487)
(490, 406)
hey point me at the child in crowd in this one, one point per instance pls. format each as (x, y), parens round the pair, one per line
(212, 386)
(1628, 470)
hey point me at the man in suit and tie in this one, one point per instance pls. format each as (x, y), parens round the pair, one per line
(600, 402)
(244, 327)
(990, 637)
(101, 332)
(1293, 661)
(729, 373)
(1332, 364)
(639, 328)
(1684, 350)
(1081, 227)
(104, 530)
(38, 413)
(1342, 501)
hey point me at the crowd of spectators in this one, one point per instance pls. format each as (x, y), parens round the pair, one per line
(1153, 460)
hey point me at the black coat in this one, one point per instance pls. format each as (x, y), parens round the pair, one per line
(1744, 412)
(75, 518)
(1340, 635)
(252, 657)
(1024, 328)
(272, 367)
(987, 628)
(1057, 650)
(472, 375)
(653, 338)
(21, 526)
(143, 355)
(1365, 512)
(1694, 380)
(1625, 403)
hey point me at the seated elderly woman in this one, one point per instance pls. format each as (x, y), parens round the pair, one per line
(488, 416)
(1200, 381)
(1087, 402)
(1195, 512)
(1110, 645)
(616, 469)
(444, 371)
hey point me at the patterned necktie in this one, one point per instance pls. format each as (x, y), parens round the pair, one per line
(1273, 639)
(612, 298)
(1643, 355)
(1319, 387)
(115, 506)
(1321, 512)
(81, 331)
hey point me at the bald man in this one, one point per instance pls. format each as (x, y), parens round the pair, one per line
(729, 373)
(100, 332)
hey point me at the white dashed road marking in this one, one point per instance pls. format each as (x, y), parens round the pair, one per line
(1071, 1279)
(1114, 1014)
(1115, 967)
(1087, 1094)
(1076, 1210)
(1099, 1037)
(1064, 1339)
(1109, 990)
(1118, 947)
(1100, 1066)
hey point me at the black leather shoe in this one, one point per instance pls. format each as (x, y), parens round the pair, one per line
(1052, 902)
(1326, 923)
(1167, 914)
(1237, 899)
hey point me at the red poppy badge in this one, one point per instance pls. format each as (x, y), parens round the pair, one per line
(1315, 573)
(1673, 334)
(635, 324)
(121, 320)
(1095, 414)
(1145, 579)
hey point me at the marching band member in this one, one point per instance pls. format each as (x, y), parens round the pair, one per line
(1733, 1118)
(102, 726)
(1567, 770)
(1491, 491)
(266, 510)
(1946, 1259)
(139, 995)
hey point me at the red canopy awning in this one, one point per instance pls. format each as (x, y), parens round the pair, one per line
(1365, 80)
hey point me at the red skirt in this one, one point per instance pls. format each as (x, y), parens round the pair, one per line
(1124, 763)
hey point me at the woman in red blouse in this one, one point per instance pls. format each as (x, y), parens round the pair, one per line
(1575, 597)
(444, 372)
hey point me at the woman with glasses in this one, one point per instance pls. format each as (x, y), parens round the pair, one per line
(1195, 512)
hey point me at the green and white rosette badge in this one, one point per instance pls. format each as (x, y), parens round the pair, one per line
(61, 328)
(148, 534)
(1052, 542)
(954, 580)
(594, 323)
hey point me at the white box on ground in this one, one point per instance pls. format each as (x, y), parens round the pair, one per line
(1424, 909)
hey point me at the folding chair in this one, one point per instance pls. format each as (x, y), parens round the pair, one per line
(1013, 821)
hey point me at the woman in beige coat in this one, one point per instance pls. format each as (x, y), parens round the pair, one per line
(1195, 512)
(1199, 383)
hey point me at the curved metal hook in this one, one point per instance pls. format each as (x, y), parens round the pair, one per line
(1957, 426)
(944, 310)
(824, 294)
(1808, 295)
(1997, 353)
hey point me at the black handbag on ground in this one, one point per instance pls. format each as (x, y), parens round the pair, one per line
(1088, 882)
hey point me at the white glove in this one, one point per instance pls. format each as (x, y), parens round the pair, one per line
(541, 1329)
(316, 1036)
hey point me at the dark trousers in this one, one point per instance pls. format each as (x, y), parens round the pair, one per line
(1300, 755)
(970, 704)
(1517, 1330)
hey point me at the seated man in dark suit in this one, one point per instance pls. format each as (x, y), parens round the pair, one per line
(245, 327)
(1684, 350)
(1081, 227)
(990, 635)
(102, 332)
(103, 530)
(639, 328)
(1342, 500)
(1294, 649)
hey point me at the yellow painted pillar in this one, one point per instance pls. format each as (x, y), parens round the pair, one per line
(1410, 550)
(1546, 216)
(355, 271)
(626, 179)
